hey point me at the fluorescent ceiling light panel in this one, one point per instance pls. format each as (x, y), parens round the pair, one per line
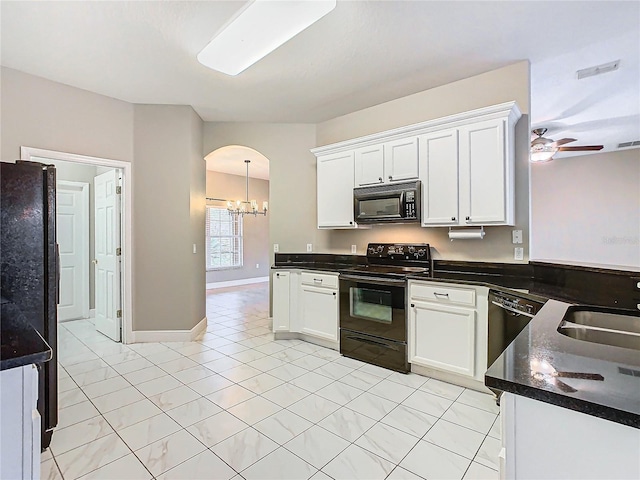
(258, 29)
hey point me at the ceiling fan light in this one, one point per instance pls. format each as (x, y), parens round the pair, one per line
(541, 156)
(257, 30)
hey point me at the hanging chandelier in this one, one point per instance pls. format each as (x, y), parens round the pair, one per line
(246, 206)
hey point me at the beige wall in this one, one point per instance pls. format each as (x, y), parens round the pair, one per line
(168, 172)
(498, 86)
(168, 218)
(255, 229)
(44, 114)
(292, 176)
(587, 209)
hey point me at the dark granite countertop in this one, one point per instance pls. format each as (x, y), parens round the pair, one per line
(616, 398)
(527, 368)
(21, 343)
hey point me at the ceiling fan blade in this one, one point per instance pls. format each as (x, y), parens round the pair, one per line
(583, 148)
(562, 141)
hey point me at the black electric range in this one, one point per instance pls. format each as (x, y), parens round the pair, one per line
(373, 297)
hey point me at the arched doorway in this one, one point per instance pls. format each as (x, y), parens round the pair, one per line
(237, 244)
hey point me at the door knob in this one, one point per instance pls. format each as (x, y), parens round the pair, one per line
(95, 261)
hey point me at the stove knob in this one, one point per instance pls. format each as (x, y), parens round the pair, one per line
(380, 248)
(421, 252)
(412, 249)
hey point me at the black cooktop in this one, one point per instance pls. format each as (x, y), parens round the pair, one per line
(396, 260)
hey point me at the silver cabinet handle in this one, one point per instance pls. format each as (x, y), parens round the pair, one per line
(317, 280)
(380, 179)
(441, 295)
(467, 218)
(453, 219)
(390, 177)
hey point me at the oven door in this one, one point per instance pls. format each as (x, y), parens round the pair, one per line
(374, 306)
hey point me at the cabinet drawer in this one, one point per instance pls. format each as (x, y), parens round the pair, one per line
(442, 294)
(319, 280)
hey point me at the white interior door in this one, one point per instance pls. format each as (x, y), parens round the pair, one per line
(107, 261)
(72, 225)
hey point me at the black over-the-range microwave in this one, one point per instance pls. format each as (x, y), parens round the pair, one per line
(391, 203)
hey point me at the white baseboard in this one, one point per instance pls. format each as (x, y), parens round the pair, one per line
(234, 283)
(146, 336)
(92, 313)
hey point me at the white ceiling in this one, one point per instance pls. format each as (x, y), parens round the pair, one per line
(361, 54)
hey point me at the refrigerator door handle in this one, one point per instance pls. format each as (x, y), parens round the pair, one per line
(57, 274)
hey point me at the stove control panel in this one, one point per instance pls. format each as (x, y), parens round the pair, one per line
(400, 251)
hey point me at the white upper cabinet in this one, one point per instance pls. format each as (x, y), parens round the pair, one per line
(335, 191)
(439, 173)
(465, 161)
(369, 165)
(486, 175)
(401, 160)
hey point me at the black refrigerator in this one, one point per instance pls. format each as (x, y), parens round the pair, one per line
(29, 257)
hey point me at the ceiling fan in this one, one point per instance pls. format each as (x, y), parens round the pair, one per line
(543, 149)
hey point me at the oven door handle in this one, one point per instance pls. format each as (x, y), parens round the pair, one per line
(512, 310)
(372, 342)
(374, 280)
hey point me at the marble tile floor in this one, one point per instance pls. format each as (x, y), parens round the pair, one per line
(236, 404)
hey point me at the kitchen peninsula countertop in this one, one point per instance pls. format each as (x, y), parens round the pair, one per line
(21, 343)
(537, 362)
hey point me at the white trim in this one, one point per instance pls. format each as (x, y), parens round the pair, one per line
(234, 283)
(479, 114)
(92, 313)
(84, 193)
(146, 336)
(27, 153)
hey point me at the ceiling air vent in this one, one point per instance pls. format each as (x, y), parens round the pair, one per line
(628, 371)
(598, 69)
(629, 144)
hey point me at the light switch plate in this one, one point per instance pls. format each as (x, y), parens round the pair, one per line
(353, 249)
(195, 250)
(518, 253)
(517, 236)
(309, 247)
(276, 248)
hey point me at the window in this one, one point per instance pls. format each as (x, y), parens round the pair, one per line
(223, 239)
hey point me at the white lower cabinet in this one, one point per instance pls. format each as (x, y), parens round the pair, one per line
(281, 301)
(545, 441)
(443, 337)
(447, 331)
(20, 420)
(319, 312)
(306, 303)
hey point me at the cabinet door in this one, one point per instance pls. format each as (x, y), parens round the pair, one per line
(319, 312)
(442, 337)
(281, 301)
(401, 160)
(369, 165)
(335, 191)
(483, 173)
(439, 175)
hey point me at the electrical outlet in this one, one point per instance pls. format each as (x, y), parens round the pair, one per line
(353, 249)
(518, 253)
(517, 236)
(309, 247)
(276, 248)
(257, 265)
(194, 248)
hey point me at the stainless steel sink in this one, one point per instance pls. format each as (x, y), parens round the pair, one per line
(618, 328)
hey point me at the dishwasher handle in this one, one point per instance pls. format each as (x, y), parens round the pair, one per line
(512, 310)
